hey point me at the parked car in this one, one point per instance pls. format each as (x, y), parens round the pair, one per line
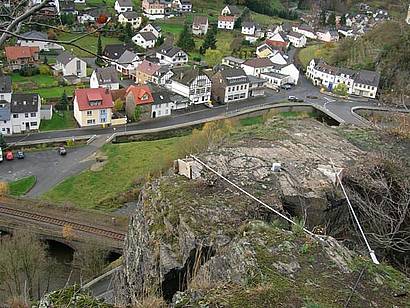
(1, 154)
(20, 154)
(61, 150)
(292, 98)
(312, 96)
(209, 105)
(9, 155)
(286, 86)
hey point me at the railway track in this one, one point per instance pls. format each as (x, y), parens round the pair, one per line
(118, 236)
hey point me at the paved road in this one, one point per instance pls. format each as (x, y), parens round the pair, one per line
(305, 88)
(49, 167)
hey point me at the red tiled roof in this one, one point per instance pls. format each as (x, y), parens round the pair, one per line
(19, 52)
(139, 92)
(148, 67)
(226, 18)
(276, 43)
(258, 62)
(83, 97)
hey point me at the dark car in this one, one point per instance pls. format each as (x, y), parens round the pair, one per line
(286, 86)
(62, 151)
(20, 155)
(312, 97)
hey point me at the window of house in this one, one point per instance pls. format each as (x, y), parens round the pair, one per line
(15, 116)
(33, 114)
(92, 121)
(26, 115)
(89, 112)
(33, 123)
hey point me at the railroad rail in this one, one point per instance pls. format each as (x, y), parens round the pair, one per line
(118, 236)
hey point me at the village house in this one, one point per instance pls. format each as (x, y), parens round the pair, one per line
(231, 10)
(226, 22)
(306, 30)
(93, 107)
(256, 86)
(362, 82)
(252, 31)
(130, 17)
(145, 40)
(113, 52)
(69, 65)
(256, 66)
(182, 6)
(105, 77)
(31, 39)
(298, 40)
(191, 83)
(25, 112)
(153, 9)
(275, 80)
(200, 25)
(150, 72)
(138, 96)
(6, 89)
(248, 28)
(288, 69)
(154, 29)
(327, 35)
(5, 118)
(171, 55)
(19, 56)
(127, 63)
(278, 40)
(122, 6)
(232, 62)
(230, 85)
(275, 55)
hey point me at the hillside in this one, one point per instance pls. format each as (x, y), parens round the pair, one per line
(202, 243)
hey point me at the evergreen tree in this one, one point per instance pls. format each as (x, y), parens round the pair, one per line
(64, 101)
(160, 41)
(210, 40)
(185, 40)
(331, 21)
(128, 33)
(238, 23)
(45, 60)
(3, 143)
(343, 20)
(322, 17)
(99, 61)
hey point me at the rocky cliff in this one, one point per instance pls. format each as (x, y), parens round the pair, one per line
(200, 242)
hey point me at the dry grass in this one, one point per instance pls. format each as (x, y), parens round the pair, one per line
(4, 189)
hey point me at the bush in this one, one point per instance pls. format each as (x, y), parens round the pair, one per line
(44, 70)
(27, 71)
(341, 89)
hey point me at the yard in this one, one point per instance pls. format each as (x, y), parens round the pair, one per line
(22, 186)
(324, 51)
(88, 43)
(60, 120)
(126, 163)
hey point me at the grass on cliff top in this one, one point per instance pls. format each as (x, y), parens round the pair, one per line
(22, 186)
(324, 51)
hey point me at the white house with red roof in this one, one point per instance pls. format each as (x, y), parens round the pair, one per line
(226, 22)
(93, 107)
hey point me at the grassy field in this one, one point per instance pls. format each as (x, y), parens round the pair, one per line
(39, 81)
(60, 120)
(22, 186)
(324, 51)
(54, 92)
(126, 163)
(88, 43)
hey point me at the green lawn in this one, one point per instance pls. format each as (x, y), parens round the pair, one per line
(126, 163)
(324, 51)
(40, 81)
(22, 186)
(88, 43)
(54, 92)
(266, 20)
(60, 120)
(172, 28)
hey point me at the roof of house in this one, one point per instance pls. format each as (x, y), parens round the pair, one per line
(147, 36)
(186, 75)
(138, 92)
(5, 113)
(114, 51)
(248, 24)
(234, 9)
(275, 75)
(258, 62)
(200, 20)
(306, 27)
(367, 77)
(106, 75)
(130, 15)
(226, 18)
(234, 76)
(124, 3)
(295, 34)
(127, 57)
(5, 84)
(65, 57)
(19, 52)
(233, 59)
(148, 67)
(162, 95)
(168, 50)
(85, 96)
(35, 35)
(118, 94)
(22, 103)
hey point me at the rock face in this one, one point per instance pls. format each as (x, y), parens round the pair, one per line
(202, 242)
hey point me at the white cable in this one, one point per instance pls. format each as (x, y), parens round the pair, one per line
(251, 196)
(371, 251)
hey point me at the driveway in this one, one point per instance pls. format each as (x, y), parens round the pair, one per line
(49, 167)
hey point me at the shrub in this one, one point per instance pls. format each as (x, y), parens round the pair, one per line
(341, 89)
(44, 70)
